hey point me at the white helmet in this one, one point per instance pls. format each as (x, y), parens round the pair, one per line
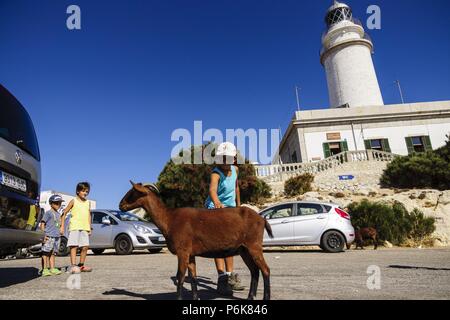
(226, 149)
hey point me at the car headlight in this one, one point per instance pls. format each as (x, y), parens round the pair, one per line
(142, 229)
(156, 230)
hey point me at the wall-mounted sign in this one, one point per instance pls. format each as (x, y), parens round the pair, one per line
(334, 136)
(346, 177)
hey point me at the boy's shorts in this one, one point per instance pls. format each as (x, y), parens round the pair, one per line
(52, 244)
(78, 238)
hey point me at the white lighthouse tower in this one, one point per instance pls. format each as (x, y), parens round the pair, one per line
(346, 55)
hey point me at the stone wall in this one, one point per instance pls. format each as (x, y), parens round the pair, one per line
(366, 174)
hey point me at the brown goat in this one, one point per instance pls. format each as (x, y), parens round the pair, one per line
(365, 234)
(218, 233)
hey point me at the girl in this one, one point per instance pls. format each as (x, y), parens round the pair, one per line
(224, 192)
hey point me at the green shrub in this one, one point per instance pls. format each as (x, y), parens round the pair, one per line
(421, 226)
(187, 185)
(298, 185)
(392, 221)
(420, 170)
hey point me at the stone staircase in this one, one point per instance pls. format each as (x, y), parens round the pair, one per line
(279, 173)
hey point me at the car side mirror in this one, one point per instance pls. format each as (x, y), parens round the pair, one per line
(105, 220)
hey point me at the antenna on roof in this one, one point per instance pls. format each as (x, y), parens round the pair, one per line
(400, 90)
(296, 95)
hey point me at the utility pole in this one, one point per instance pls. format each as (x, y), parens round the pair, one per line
(354, 138)
(298, 101)
(400, 90)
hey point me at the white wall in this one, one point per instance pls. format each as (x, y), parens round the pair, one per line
(396, 136)
(351, 77)
(292, 144)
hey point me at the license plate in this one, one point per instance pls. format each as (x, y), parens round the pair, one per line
(13, 182)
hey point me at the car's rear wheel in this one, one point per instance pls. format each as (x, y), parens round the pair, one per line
(123, 245)
(333, 241)
(155, 250)
(98, 251)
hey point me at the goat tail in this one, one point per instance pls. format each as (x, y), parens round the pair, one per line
(268, 228)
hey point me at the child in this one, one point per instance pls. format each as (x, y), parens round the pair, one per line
(224, 192)
(79, 227)
(50, 247)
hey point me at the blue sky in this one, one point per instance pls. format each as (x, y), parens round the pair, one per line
(105, 99)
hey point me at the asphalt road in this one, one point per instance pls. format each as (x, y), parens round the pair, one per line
(296, 274)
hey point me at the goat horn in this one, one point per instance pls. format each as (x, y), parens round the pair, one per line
(154, 187)
(132, 183)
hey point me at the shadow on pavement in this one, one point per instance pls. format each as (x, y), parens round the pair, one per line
(422, 268)
(205, 292)
(134, 253)
(293, 251)
(12, 276)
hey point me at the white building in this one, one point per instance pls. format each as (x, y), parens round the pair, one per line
(357, 118)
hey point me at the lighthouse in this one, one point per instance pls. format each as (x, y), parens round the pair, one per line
(347, 58)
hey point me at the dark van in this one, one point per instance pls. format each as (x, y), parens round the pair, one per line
(20, 177)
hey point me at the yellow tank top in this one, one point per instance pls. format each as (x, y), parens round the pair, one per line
(80, 215)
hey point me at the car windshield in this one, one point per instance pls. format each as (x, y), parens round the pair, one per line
(15, 124)
(127, 216)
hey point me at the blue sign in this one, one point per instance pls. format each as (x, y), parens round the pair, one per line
(348, 177)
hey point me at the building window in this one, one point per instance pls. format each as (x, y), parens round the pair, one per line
(418, 144)
(333, 148)
(377, 144)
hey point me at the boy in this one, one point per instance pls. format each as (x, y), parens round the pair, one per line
(50, 225)
(79, 227)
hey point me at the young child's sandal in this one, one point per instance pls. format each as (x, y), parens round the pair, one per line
(85, 269)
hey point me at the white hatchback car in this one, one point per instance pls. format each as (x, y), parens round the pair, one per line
(309, 223)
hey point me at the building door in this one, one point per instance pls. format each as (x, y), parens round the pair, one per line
(333, 148)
